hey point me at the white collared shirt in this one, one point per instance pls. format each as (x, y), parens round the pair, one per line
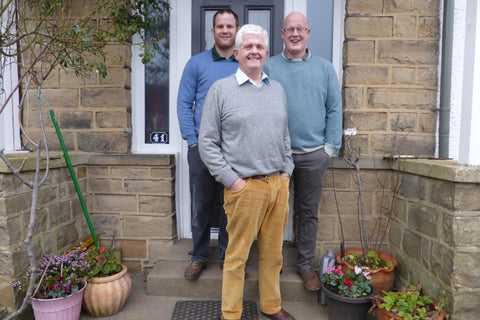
(242, 78)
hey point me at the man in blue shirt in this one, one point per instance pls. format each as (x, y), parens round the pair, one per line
(315, 125)
(199, 74)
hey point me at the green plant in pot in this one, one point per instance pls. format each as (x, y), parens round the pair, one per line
(109, 283)
(408, 304)
(347, 293)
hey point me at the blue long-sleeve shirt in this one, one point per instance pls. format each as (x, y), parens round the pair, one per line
(314, 101)
(201, 71)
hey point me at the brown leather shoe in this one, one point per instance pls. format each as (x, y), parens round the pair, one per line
(194, 270)
(310, 279)
(280, 315)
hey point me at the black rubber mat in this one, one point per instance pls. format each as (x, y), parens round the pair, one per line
(209, 310)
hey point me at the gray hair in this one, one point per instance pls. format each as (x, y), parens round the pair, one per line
(250, 29)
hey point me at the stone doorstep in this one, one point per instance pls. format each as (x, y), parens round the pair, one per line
(166, 277)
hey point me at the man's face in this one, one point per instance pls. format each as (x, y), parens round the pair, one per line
(251, 54)
(224, 31)
(295, 34)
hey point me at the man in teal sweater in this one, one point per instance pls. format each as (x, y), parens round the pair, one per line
(315, 126)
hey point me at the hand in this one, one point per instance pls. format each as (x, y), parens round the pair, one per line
(193, 145)
(285, 175)
(238, 184)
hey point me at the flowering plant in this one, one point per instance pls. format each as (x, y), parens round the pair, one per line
(59, 275)
(348, 284)
(104, 262)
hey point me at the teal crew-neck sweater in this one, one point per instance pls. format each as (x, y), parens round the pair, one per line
(314, 101)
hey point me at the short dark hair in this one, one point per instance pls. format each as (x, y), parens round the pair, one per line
(223, 11)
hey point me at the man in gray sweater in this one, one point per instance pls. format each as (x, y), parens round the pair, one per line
(245, 144)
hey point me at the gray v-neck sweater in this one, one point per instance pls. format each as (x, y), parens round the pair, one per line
(244, 130)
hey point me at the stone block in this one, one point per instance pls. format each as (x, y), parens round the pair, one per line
(412, 145)
(11, 185)
(403, 122)
(368, 27)
(168, 173)
(149, 186)
(132, 249)
(339, 178)
(404, 76)
(104, 142)
(423, 219)
(117, 76)
(413, 187)
(329, 228)
(429, 27)
(18, 203)
(467, 270)
(115, 203)
(465, 231)
(365, 121)
(105, 224)
(61, 98)
(360, 141)
(442, 193)
(156, 204)
(69, 79)
(81, 172)
(467, 197)
(105, 98)
(58, 213)
(358, 52)
(408, 52)
(427, 76)
(66, 236)
(405, 27)
(98, 171)
(367, 75)
(364, 7)
(427, 123)
(441, 261)
(402, 99)
(129, 172)
(111, 119)
(395, 234)
(7, 295)
(47, 194)
(352, 98)
(412, 6)
(54, 143)
(75, 120)
(14, 228)
(412, 245)
(106, 185)
(148, 226)
(466, 306)
(400, 210)
(116, 54)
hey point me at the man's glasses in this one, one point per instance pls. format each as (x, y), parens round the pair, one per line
(292, 30)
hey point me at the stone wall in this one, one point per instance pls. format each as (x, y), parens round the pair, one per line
(59, 219)
(390, 79)
(434, 232)
(129, 196)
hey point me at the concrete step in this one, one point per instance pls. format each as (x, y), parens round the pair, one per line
(166, 277)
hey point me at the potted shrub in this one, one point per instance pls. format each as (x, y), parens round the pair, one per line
(407, 304)
(109, 283)
(369, 257)
(59, 285)
(347, 293)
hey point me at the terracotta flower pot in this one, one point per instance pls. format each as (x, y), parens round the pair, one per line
(346, 308)
(383, 314)
(67, 308)
(106, 296)
(382, 278)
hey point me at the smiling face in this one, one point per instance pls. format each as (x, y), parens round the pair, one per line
(224, 31)
(251, 55)
(295, 34)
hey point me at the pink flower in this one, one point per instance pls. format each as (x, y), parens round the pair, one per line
(329, 270)
(348, 283)
(101, 250)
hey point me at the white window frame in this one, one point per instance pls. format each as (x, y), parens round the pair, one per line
(9, 118)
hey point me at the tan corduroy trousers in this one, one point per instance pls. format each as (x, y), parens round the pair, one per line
(258, 210)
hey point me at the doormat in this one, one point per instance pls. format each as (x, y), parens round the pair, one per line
(209, 310)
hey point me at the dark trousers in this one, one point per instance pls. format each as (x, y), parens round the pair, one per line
(207, 204)
(307, 178)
